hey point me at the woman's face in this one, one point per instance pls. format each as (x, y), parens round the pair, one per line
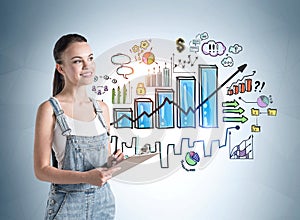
(78, 66)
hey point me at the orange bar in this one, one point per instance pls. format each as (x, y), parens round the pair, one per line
(236, 89)
(242, 87)
(249, 85)
(230, 92)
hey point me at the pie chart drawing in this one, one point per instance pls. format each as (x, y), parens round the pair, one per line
(263, 101)
(192, 158)
(148, 58)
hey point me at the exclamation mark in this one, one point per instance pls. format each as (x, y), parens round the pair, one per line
(262, 86)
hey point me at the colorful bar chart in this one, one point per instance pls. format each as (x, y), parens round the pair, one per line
(190, 98)
(243, 87)
(159, 79)
(164, 118)
(208, 76)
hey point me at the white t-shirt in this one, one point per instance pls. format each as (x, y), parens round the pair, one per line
(81, 128)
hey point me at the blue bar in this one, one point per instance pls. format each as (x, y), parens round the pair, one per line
(143, 105)
(124, 122)
(186, 87)
(165, 115)
(208, 75)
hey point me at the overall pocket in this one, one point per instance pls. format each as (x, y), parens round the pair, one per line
(94, 157)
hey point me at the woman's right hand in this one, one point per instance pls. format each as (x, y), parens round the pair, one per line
(99, 176)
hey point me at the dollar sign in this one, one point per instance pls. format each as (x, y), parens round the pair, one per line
(180, 45)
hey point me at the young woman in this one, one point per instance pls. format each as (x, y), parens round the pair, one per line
(75, 128)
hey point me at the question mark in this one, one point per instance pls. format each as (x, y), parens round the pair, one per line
(257, 83)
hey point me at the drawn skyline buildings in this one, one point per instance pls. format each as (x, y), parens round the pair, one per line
(160, 113)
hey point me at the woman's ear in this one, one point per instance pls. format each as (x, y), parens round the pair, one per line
(59, 68)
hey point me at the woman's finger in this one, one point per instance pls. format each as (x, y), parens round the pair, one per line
(120, 157)
(117, 153)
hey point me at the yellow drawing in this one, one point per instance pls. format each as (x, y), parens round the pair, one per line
(255, 128)
(144, 44)
(135, 48)
(272, 112)
(140, 89)
(254, 112)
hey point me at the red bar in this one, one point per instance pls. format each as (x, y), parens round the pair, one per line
(249, 85)
(242, 87)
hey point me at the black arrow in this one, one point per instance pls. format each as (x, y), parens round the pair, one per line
(240, 69)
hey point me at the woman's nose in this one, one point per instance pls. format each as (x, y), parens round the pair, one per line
(85, 64)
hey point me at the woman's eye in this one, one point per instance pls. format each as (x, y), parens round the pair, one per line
(77, 61)
(91, 58)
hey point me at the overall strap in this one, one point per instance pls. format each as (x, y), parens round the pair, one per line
(100, 115)
(60, 117)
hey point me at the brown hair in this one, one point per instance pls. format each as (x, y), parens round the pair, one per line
(60, 46)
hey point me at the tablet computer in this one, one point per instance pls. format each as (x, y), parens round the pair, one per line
(132, 161)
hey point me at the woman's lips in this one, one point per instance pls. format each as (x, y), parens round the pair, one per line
(89, 74)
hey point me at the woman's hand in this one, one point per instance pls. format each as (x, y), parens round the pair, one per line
(99, 176)
(115, 158)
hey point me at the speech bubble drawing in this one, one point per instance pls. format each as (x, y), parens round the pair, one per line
(120, 59)
(213, 48)
(204, 36)
(125, 71)
(227, 62)
(235, 49)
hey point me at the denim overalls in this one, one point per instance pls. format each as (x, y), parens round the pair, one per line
(82, 153)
